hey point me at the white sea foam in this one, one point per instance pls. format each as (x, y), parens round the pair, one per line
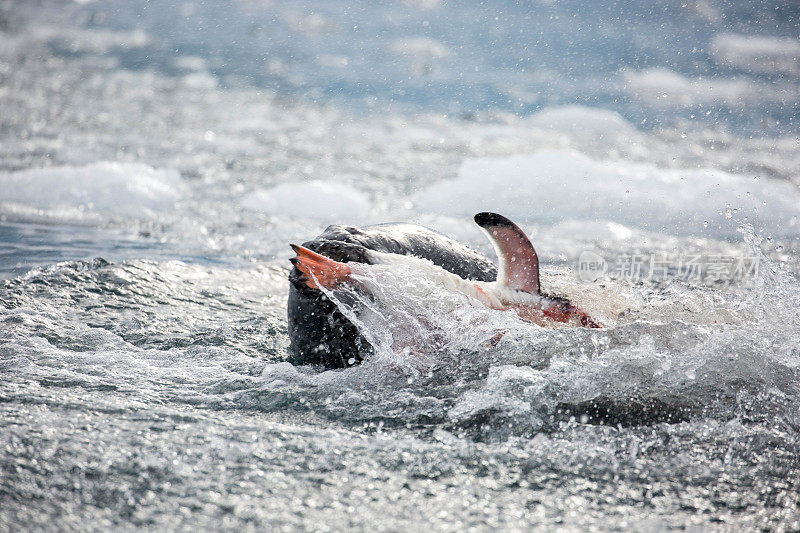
(664, 88)
(583, 121)
(420, 47)
(99, 41)
(760, 55)
(420, 53)
(314, 200)
(567, 185)
(114, 190)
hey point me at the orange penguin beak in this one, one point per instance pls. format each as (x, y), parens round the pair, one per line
(319, 271)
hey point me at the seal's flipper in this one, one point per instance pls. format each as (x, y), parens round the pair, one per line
(319, 270)
(519, 264)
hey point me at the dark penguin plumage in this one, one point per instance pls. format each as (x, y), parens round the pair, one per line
(318, 332)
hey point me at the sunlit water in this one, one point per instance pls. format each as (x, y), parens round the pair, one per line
(157, 158)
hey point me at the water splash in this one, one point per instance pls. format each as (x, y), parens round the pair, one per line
(687, 350)
(414, 323)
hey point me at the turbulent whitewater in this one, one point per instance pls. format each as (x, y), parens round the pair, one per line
(157, 158)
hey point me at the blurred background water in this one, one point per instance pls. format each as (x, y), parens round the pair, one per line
(157, 157)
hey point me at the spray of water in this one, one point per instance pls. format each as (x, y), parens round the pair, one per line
(733, 343)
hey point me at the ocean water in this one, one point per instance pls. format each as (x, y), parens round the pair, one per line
(157, 158)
